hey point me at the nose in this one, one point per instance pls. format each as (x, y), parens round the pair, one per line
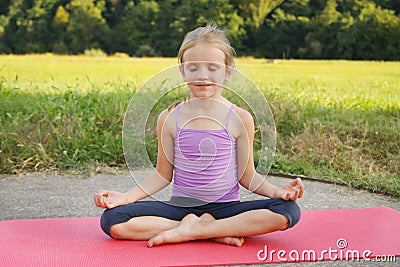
(202, 74)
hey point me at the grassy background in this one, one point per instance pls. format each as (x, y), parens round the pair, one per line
(336, 120)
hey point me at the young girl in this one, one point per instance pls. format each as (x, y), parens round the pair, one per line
(205, 146)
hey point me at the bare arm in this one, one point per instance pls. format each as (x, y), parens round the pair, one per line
(156, 181)
(164, 168)
(248, 177)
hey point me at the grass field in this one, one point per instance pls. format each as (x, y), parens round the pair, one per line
(336, 120)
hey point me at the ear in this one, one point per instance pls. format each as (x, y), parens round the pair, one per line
(228, 72)
(182, 70)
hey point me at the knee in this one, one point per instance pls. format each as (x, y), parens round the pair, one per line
(273, 221)
(289, 213)
(106, 221)
(282, 222)
(117, 231)
(111, 219)
(295, 213)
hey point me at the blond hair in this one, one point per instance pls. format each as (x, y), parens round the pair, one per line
(211, 35)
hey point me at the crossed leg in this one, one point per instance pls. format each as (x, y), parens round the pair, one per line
(146, 227)
(233, 241)
(149, 221)
(228, 231)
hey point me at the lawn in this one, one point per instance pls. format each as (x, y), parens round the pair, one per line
(335, 120)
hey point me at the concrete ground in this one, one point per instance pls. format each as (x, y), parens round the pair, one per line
(39, 195)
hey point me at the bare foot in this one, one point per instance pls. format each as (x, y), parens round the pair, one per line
(184, 232)
(187, 231)
(233, 241)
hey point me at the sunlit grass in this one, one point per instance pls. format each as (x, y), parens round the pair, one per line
(73, 71)
(337, 120)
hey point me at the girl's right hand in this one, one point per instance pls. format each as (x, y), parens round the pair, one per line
(110, 199)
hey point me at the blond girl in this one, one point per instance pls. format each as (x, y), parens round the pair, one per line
(205, 149)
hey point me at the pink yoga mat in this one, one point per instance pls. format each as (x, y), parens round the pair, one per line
(321, 235)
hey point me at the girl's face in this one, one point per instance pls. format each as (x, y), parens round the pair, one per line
(204, 70)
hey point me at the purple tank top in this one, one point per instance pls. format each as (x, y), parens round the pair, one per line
(205, 164)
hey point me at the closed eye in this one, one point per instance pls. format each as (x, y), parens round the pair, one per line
(213, 67)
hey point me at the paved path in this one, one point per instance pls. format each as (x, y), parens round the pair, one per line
(44, 196)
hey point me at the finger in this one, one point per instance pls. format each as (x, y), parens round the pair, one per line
(301, 191)
(299, 182)
(295, 195)
(286, 196)
(295, 182)
(104, 201)
(100, 201)
(107, 203)
(110, 205)
(97, 200)
(301, 187)
(104, 193)
(290, 188)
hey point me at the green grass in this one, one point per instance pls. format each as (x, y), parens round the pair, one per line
(336, 120)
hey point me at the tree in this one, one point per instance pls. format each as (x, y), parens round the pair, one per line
(4, 5)
(374, 34)
(254, 12)
(86, 27)
(144, 17)
(15, 26)
(59, 25)
(322, 42)
(284, 32)
(389, 4)
(37, 30)
(351, 29)
(27, 27)
(170, 28)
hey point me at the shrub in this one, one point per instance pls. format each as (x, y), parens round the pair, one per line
(94, 52)
(145, 51)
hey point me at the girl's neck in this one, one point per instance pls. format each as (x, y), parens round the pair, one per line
(207, 106)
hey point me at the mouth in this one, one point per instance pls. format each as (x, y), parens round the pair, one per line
(202, 84)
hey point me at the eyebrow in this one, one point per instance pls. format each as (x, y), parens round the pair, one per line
(209, 63)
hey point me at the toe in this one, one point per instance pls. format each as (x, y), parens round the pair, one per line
(157, 240)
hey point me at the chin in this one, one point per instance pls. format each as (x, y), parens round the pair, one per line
(202, 96)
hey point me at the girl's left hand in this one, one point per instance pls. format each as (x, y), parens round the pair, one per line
(292, 191)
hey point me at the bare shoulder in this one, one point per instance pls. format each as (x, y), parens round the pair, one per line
(162, 117)
(245, 117)
(243, 123)
(166, 120)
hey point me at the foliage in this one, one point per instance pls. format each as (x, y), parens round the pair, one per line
(325, 29)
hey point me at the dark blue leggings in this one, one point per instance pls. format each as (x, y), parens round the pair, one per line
(174, 211)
